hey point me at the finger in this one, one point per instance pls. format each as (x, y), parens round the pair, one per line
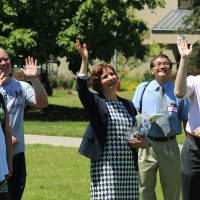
(77, 41)
(178, 40)
(185, 43)
(1, 75)
(178, 43)
(36, 62)
(32, 60)
(84, 46)
(26, 61)
(29, 60)
(78, 44)
(191, 46)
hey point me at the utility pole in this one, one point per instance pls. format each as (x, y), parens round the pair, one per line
(115, 59)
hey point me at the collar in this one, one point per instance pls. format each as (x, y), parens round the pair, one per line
(155, 85)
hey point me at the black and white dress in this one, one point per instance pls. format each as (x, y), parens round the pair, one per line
(114, 176)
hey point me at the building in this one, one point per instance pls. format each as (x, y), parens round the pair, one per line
(164, 24)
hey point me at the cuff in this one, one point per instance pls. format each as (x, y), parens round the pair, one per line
(82, 76)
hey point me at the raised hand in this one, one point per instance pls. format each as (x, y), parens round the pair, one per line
(82, 51)
(183, 47)
(30, 69)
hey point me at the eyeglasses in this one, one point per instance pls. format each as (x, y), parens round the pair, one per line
(6, 59)
(160, 64)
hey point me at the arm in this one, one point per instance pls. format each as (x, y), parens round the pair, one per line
(180, 82)
(41, 100)
(9, 147)
(86, 97)
(84, 55)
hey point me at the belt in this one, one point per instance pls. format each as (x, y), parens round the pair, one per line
(161, 139)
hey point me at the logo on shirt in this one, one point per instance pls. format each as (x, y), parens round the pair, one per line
(2, 114)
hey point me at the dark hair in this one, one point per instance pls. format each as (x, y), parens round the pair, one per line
(95, 77)
(160, 56)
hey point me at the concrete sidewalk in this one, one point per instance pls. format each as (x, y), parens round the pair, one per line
(56, 140)
(53, 140)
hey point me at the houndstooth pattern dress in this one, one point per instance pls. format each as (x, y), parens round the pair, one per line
(114, 176)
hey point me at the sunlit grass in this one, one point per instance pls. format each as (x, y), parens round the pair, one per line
(56, 173)
(59, 173)
(62, 128)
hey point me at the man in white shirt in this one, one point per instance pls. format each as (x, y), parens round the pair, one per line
(190, 155)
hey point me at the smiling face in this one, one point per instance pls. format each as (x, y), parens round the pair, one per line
(5, 64)
(109, 80)
(161, 69)
(104, 78)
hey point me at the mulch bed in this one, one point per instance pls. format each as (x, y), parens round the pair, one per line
(55, 113)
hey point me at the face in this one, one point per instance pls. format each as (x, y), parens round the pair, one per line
(109, 80)
(5, 64)
(161, 69)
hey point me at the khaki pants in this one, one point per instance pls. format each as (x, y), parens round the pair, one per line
(165, 157)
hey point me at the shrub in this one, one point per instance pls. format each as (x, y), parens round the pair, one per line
(127, 84)
(53, 81)
(147, 76)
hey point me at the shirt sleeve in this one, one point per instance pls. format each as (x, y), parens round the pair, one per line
(28, 92)
(82, 76)
(190, 86)
(137, 96)
(184, 109)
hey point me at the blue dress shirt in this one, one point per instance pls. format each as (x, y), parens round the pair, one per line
(177, 108)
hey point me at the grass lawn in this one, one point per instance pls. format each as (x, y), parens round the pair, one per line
(62, 128)
(58, 173)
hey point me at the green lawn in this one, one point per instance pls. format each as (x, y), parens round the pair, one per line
(58, 173)
(62, 128)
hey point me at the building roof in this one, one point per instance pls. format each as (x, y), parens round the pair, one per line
(171, 22)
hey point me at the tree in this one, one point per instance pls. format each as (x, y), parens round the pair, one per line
(30, 27)
(45, 28)
(106, 25)
(192, 21)
(192, 26)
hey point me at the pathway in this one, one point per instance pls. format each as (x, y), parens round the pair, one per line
(55, 140)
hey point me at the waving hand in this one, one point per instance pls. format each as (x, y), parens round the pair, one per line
(183, 47)
(30, 69)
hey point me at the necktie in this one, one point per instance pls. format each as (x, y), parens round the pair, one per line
(162, 108)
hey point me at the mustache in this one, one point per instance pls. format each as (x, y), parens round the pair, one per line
(167, 70)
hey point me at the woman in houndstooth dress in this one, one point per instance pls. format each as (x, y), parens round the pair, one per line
(113, 162)
(114, 175)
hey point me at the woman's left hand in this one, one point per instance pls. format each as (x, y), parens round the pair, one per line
(138, 142)
(197, 132)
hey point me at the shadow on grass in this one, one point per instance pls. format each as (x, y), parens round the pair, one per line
(56, 113)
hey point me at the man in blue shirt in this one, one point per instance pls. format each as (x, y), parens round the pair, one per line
(163, 152)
